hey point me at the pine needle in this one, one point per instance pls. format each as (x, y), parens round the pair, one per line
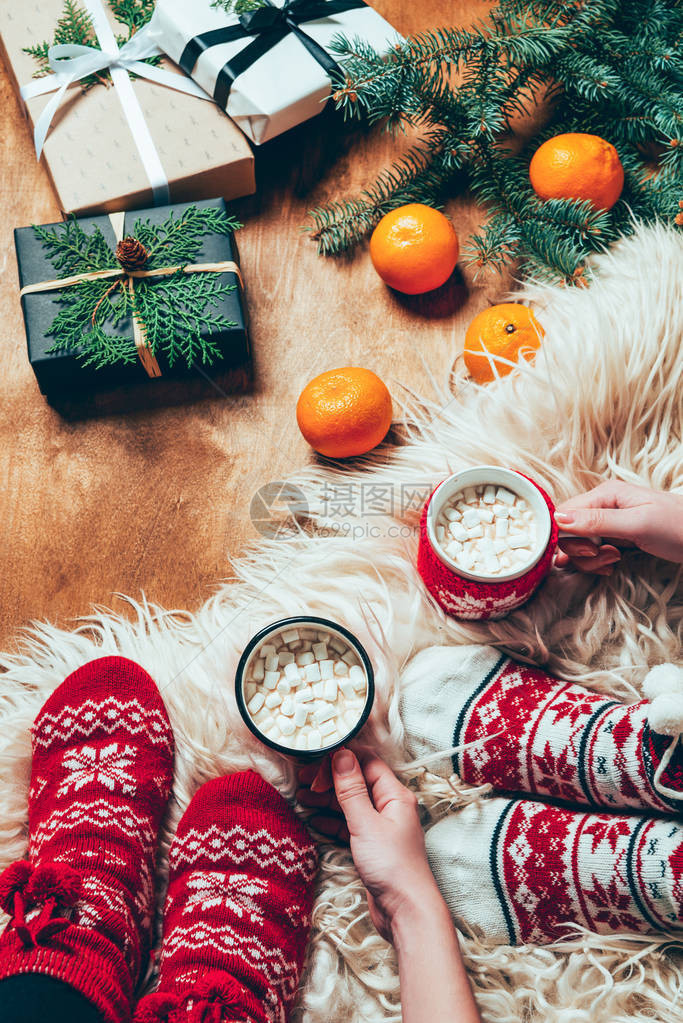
(613, 68)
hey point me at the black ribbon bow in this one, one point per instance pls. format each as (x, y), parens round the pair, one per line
(268, 25)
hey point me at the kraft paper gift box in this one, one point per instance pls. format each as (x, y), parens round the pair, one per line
(90, 153)
(266, 89)
(62, 373)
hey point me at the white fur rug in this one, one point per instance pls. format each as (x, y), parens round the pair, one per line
(604, 398)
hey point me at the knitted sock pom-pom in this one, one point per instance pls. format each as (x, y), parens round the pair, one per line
(665, 715)
(54, 881)
(13, 879)
(663, 679)
(159, 1007)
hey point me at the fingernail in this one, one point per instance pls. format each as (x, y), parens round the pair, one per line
(344, 761)
(586, 552)
(563, 518)
(611, 559)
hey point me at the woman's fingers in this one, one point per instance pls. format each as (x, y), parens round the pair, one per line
(331, 826)
(383, 783)
(577, 547)
(620, 523)
(318, 800)
(323, 778)
(352, 792)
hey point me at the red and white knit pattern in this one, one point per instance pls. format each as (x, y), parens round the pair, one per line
(238, 908)
(102, 773)
(559, 740)
(532, 733)
(465, 598)
(539, 867)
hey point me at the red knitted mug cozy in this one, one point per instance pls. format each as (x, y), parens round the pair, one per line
(467, 598)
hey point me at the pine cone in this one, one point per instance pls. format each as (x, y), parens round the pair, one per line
(131, 254)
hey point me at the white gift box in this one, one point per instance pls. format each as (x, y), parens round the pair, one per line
(286, 84)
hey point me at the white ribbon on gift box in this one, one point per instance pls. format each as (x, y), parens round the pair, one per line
(70, 63)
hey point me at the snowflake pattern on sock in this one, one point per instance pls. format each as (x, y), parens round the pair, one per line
(238, 907)
(552, 738)
(101, 775)
(112, 766)
(605, 872)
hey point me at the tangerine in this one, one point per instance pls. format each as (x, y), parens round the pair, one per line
(506, 331)
(414, 249)
(577, 165)
(344, 412)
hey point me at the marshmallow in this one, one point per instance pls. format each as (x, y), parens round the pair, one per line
(330, 690)
(256, 702)
(496, 531)
(458, 532)
(300, 715)
(270, 679)
(312, 672)
(505, 496)
(305, 699)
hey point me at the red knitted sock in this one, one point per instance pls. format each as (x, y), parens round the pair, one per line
(517, 871)
(81, 904)
(546, 736)
(238, 909)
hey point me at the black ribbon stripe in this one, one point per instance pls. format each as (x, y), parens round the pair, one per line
(268, 25)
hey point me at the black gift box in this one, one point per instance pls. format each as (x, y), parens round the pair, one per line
(63, 373)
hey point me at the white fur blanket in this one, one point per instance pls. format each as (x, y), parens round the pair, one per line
(604, 398)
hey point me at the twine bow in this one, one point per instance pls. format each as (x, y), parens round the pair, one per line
(124, 276)
(71, 63)
(46, 887)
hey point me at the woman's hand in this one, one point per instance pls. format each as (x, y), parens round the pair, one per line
(383, 826)
(366, 803)
(617, 515)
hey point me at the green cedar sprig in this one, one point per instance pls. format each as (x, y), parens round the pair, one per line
(175, 311)
(238, 6)
(610, 67)
(75, 26)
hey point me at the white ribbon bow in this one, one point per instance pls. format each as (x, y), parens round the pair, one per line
(71, 63)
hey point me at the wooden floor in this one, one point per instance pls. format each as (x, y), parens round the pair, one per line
(156, 499)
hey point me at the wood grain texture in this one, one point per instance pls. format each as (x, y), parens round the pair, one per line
(156, 499)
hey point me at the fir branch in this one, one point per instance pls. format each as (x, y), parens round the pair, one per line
(610, 67)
